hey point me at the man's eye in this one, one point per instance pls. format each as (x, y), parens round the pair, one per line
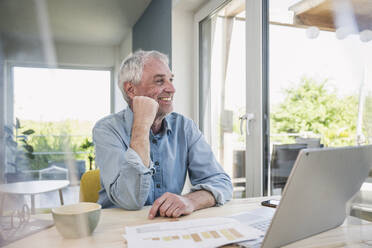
(171, 80)
(160, 81)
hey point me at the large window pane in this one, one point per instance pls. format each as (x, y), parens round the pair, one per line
(320, 79)
(54, 112)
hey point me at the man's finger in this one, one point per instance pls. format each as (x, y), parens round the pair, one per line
(177, 213)
(171, 209)
(165, 206)
(156, 205)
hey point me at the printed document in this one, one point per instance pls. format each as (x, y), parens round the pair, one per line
(208, 232)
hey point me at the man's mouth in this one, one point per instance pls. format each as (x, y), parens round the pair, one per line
(165, 98)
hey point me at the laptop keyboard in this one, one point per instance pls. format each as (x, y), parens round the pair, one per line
(261, 225)
(258, 219)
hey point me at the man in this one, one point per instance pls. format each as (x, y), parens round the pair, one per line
(145, 151)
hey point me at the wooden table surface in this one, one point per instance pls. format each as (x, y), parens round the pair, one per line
(353, 233)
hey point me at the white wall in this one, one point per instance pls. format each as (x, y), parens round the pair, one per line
(85, 55)
(182, 61)
(126, 46)
(185, 100)
(123, 51)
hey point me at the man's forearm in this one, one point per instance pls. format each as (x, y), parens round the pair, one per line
(128, 186)
(139, 142)
(144, 112)
(201, 199)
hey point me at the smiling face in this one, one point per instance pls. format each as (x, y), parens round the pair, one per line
(156, 83)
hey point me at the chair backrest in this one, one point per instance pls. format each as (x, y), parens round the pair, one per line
(90, 186)
(310, 142)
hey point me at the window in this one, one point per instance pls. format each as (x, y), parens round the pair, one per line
(320, 81)
(301, 77)
(54, 112)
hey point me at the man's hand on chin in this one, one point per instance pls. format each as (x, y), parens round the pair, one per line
(171, 205)
(144, 111)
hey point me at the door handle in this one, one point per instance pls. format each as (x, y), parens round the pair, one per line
(247, 117)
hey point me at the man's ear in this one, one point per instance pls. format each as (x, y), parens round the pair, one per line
(129, 89)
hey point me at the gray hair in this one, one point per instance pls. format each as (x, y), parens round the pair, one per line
(131, 68)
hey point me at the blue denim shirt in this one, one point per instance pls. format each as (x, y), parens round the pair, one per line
(179, 148)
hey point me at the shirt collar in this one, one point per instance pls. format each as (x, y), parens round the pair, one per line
(128, 117)
(167, 125)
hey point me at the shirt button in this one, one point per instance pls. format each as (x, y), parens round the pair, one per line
(158, 185)
(154, 141)
(156, 163)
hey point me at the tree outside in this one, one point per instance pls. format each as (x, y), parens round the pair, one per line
(314, 107)
(367, 118)
(52, 140)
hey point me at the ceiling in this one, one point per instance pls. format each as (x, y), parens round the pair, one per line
(96, 22)
(333, 14)
(189, 5)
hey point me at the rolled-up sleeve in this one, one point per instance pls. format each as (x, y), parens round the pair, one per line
(204, 170)
(126, 180)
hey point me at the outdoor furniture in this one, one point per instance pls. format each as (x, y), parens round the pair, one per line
(53, 173)
(75, 172)
(282, 161)
(361, 206)
(32, 188)
(238, 177)
(310, 142)
(22, 176)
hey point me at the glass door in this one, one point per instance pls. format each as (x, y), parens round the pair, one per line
(226, 115)
(222, 92)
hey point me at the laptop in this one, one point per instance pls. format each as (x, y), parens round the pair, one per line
(314, 199)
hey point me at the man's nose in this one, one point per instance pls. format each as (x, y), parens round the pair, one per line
(170, 87)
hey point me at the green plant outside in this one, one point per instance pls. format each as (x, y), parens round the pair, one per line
(61, 137)
(314, 107)
(88, 146)
(367, 116)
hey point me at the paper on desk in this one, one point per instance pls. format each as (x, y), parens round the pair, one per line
(209, 232)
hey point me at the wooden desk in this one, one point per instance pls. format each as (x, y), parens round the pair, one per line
(32, 188)
(353, 233)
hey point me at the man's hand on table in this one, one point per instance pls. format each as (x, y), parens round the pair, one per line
(171, 205)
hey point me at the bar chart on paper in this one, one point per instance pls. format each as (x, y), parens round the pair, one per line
(209, 232)
(230, 234)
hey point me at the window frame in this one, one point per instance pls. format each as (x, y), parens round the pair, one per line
(257, 144)
(8, 117)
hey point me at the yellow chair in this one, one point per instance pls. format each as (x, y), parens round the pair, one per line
(90, 186)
